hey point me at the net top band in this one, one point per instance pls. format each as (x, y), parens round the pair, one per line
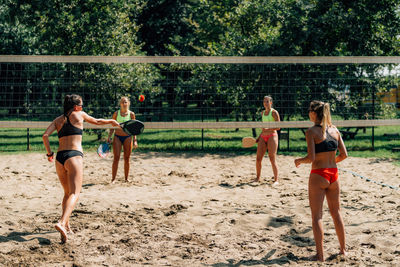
(201, 59)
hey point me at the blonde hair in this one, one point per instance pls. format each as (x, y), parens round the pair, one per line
(269, 97)
(124, 98)
(323, 112)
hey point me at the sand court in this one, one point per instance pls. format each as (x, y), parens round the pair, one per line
(192, 209)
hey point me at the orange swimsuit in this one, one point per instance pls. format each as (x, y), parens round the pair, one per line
(267, 137)
(330, 174)
(327, 145)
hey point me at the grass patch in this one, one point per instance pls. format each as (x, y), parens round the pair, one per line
(210, 141)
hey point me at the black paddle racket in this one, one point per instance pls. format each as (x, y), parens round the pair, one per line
(132, 127)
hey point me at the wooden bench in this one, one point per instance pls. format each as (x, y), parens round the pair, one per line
(392, 136)
(347, 134)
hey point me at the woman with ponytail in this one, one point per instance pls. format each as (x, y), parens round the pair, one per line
(69, 158)
(323, 140)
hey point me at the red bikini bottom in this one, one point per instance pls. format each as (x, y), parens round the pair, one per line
(330, 174)
(267, 137)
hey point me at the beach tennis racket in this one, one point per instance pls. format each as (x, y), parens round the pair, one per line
(248, 141)
(103, 150)
(132, 127)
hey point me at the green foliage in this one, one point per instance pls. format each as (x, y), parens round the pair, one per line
(202, 27)
(102, 27)
(72, 27)
(162, 26)
(295, 28)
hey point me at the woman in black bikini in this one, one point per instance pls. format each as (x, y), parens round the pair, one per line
(121, 139)
(69, 159)
(323, 140)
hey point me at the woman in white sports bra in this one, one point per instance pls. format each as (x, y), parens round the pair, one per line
(268, 139)
(121, 139)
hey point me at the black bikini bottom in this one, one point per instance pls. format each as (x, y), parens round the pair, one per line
(63, 155)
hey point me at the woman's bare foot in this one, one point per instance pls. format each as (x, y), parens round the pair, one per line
(315, 258)
(62, 231)
(69, 230)
(257, 180)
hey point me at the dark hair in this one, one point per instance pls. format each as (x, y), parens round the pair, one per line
(70, 101)
(323, 112)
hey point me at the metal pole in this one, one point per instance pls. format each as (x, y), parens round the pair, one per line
(202, 139)
(373, 117)
(202, 119)
(27, 139)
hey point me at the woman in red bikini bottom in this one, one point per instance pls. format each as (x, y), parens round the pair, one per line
(268, 139)
(323, 140)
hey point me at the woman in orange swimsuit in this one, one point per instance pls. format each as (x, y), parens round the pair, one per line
(69, 159)
(268, 139)
(323, 140)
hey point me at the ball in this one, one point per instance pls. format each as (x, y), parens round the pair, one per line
(141, 98)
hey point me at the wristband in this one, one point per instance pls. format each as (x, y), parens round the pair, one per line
(50, 155)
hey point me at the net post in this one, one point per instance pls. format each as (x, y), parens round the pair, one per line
(202, 119)
(27, 140)
(202, 139)
(373, 117)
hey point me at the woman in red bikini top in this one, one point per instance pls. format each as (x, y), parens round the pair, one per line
(323, 140)
(268, 139)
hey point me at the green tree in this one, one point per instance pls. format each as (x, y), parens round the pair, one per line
(74, 27)
(163, 30)
(299, 28)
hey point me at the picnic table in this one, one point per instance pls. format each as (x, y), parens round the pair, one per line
(350, 134)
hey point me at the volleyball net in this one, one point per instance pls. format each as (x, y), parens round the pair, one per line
(201, 92)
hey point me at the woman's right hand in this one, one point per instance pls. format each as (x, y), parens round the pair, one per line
(109, 140)
(115, 123)
(51, 157)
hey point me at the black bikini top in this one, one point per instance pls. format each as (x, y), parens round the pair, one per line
(329, 144)
(69, 129)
